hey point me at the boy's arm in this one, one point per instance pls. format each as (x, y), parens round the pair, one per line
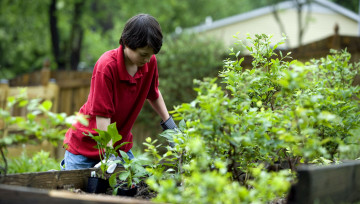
(102, 123)
(160, 108)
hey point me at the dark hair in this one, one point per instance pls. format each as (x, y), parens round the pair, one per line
(140, 31)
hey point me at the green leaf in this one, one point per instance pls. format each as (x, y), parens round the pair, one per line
(124, 175)
(112, 180)
(182, 125)
(46, 105)
(120, 145)
(23, 103)
(124, 155)
(113, 132)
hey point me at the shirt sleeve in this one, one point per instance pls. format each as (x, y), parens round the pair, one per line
(101, 97)
(154, 91)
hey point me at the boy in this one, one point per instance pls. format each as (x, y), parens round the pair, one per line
(121, 81)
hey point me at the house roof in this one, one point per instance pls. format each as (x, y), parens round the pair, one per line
(319, 6)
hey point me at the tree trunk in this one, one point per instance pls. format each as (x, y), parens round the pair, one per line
(303, 25)
(77, 33)
(55, 38)
(281, 25)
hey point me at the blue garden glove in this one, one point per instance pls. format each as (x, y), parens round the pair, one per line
(169, 124)
(111, 164)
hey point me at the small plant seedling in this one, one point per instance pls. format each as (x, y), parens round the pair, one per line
(132, 174)
(106, 150)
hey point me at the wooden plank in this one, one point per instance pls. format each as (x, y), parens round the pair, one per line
(52, 179)
(65, 101)
(355, 193)
(4, 91)
(327, 184)
(15, 150)
(52, 94)
(48, 92)
(73, 83)
(79, 98)
(21, 195)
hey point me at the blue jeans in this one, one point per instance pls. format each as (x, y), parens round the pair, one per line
(73, 161)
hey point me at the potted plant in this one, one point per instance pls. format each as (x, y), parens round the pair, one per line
(98, 183)
(130, 176)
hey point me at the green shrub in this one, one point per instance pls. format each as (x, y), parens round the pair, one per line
(278, 111)
(37, 125)
(41, 161)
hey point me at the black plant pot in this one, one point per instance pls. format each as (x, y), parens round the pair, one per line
(97, 185)
(123, 191)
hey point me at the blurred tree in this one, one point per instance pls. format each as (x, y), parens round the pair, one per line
(74, 33)
(24, 37)
(69, 55)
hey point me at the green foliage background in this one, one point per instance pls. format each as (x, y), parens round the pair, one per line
(25, 39)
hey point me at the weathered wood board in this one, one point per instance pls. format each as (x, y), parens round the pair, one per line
(20, 195)
(51, 179)
(48, 187)
(338, 183)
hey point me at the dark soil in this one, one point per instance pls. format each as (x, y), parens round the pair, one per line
(143, 191)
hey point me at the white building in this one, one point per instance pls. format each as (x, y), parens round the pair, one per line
(321, 17)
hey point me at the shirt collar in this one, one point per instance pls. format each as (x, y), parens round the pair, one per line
(124, 75)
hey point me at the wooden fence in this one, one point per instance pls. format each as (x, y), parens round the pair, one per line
(50, 92)
(67, 90)
(73, 87)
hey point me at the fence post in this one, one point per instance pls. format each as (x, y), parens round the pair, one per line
(45, 73)
(4, 91)
(335, 44)
(52, 91)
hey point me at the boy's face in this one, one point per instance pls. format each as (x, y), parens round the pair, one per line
(140, 56)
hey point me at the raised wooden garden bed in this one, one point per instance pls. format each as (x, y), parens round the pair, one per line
(327, 184)
(316, 184)
(54, 187)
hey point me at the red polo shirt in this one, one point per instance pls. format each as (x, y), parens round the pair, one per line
(114, 94)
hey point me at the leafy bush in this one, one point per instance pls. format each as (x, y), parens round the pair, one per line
(280, 110)
(38, 125)
(41, 161)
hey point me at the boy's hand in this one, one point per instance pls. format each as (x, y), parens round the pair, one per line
(110, 163)
(169, 124)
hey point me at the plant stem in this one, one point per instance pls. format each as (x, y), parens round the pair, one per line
(4, 169)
